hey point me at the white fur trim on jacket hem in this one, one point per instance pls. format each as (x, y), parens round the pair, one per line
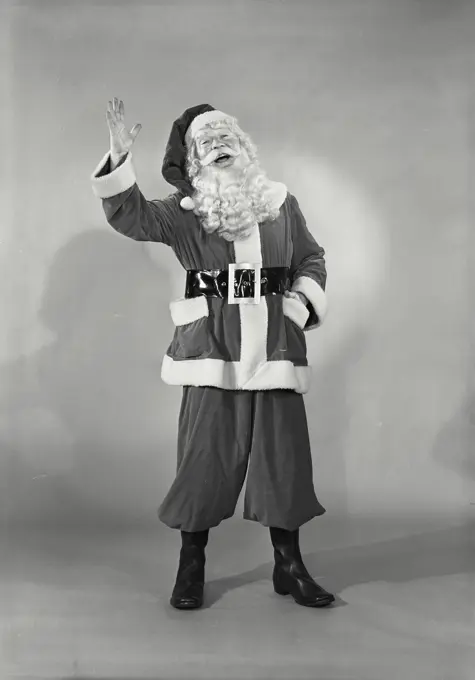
(315, 295)
(269, 375)
(186, 310)
(120, 179)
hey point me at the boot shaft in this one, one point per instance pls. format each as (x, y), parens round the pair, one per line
(286, 545)
(194, 539)
(192, 553)
(188, 590)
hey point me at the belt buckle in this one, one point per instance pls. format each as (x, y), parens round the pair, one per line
(234, 299)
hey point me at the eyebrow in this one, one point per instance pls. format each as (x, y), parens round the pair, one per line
(220, 131)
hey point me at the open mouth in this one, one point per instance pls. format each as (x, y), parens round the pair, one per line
(222, 158)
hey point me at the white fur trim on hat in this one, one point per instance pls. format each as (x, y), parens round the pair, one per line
(202, 120)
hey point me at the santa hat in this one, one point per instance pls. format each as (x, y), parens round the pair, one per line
(182, 134)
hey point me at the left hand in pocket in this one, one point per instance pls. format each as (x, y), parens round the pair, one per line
(297, 296)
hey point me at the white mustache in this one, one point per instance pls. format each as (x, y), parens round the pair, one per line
(213, 155)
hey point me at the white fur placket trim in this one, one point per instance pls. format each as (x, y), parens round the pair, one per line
(254, 318)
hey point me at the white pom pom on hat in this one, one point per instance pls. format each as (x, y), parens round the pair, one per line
(187, 203)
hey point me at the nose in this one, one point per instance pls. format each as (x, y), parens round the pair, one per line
(216, 143)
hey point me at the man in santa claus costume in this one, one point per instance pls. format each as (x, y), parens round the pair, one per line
(254, 285)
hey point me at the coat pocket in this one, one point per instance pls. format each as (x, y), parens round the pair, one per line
(187, 310)
(192, 338)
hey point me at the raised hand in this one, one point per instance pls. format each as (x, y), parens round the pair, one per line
(121, 139)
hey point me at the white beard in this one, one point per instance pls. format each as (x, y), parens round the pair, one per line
(230, 201)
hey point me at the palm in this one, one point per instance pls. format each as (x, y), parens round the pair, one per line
(121, 139)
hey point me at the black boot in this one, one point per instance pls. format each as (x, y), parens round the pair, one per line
(290, 575)
(189, 585)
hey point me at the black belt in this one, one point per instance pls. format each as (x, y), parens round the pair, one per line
(215, 282)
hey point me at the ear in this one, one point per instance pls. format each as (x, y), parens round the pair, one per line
(187, 203)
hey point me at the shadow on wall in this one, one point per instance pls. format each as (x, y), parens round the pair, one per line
(88, 415)
(453, 448)
(440, 10)
(92, 425)
(328, 416)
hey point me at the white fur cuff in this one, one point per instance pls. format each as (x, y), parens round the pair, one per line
(295, 310)
(314, 293)
(113, 183)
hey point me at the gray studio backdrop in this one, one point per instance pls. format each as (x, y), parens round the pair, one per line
(364, 109)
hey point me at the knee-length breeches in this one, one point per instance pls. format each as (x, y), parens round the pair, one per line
(223, 434)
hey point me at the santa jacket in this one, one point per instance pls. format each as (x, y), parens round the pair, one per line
(231, 346)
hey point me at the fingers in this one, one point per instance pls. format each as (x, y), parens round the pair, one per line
(111, 122)
(116, 109)
(115, 117)
(111, 115)
(135, 130)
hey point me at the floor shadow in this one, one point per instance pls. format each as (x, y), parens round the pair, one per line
(435, 553)
(149, 561)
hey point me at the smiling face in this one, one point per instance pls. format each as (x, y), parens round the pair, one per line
(230, 188)
(217, 146)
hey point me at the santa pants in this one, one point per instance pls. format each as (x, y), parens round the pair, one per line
(223, 434)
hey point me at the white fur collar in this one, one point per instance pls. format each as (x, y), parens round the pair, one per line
(277, 191)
